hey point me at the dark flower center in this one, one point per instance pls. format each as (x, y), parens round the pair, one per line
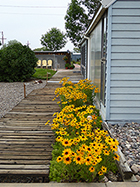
(67, 159)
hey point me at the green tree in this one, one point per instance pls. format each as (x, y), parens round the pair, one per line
(53, 40)
(91, 6)
(40, 49)
(76, 50)
(17, 62)
(78, 17)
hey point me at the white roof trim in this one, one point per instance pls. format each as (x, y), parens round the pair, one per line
(107, 3)
(94, 20)
(103, 7)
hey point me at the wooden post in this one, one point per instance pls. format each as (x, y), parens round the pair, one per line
(47, 78)
(24, 90)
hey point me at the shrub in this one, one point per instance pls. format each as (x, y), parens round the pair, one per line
(17, 62)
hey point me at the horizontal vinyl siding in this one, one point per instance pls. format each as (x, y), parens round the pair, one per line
(125, 62)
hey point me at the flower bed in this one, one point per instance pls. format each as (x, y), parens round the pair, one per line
(82, 151)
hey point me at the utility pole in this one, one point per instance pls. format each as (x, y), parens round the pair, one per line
(3, 38)
(28, 43)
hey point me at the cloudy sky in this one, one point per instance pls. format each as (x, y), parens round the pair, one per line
(27, 20)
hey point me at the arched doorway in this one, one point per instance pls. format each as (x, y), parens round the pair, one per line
(44, 63)
(49, 64)
(39, 63)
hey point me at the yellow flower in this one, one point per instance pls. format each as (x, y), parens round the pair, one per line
(92, 169)
(67, 152)
(47, 122)
(63, 132)
(59, 159)
(114, 147)
(115, 142)
(108, 140)
(116, 157)
(94, 163)
(78, 159)
(83, 138)
(67, 160)
(100, 173)
(59, 139)
(98, 159)
(103, 169)
(88, 161)
(66, 142)
(106, 152)
(83, 147)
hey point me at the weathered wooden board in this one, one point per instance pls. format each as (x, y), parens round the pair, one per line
(25, 140)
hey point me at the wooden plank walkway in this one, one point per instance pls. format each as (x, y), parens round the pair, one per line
(25, 140)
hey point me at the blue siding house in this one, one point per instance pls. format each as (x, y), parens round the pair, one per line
(112, 59)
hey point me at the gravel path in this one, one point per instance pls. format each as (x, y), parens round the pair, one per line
(12, 93)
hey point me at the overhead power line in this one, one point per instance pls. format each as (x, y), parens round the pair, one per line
(32, 14)
(16, 6)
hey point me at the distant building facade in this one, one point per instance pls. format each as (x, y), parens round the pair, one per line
(52, 59)
(76, 57)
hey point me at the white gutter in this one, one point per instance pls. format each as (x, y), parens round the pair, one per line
(88, 38)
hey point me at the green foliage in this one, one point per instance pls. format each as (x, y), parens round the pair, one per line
(53, 40)
(91, 5)
(83, 152)
(65, 58)
(76, 50)
(78, 17)
(69, 66)
(17, 62)
(76, 22)
(40, 49)
(41, 73)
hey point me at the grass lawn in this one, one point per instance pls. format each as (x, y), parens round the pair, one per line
(41, 73)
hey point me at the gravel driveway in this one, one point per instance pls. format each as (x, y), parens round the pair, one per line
(12, 93)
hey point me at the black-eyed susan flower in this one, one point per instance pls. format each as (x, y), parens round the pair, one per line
(59, 139)
(78, 159)
(73, 154)
(94, 163)
(108, 140)
(106, 152)
(103, 169)
(67, 160)
(83, 147)
(116, 157)
(98, 159)
(115, 142)
(59, 159)
(67, 152)
(88, 149)
(100, 173)
(83, 138)
(92, 169)
(113, 147)
(66, 142)
(88, 161)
